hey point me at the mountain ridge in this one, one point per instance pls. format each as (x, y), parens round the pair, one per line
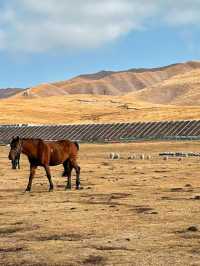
(114, 83)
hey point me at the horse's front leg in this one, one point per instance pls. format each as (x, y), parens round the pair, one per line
(32, 173)
(14, 164)
(47, 169)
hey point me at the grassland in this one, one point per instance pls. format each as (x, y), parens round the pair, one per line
(129, 212)
(89, 109)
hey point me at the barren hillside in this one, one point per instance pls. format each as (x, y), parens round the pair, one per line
(110, 83)
(8, 92)
(183, 89)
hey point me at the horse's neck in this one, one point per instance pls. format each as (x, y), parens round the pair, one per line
(29, 148)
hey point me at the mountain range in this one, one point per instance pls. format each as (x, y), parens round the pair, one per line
(131, 95)
(164, 85)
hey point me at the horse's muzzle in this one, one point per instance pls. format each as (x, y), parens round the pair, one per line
(14, 164)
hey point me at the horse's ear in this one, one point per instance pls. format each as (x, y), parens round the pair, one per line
(17, 138)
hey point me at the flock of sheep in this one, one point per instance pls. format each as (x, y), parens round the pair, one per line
(116, 156)
(164, 155)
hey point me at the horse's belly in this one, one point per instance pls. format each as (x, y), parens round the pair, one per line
(56, 157)
(55, 160)
(54, 164)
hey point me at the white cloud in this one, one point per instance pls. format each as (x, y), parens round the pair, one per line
(40, 26)
(182, 12)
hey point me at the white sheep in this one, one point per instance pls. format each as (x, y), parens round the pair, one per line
(111, 155)
(114, 156)
(132, 157)
(142, 156)
(148, 157)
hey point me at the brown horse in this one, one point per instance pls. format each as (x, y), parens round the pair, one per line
(47, 153)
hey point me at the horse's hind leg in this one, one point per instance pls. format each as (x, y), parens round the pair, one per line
(32, 173)
(77, 169)
(67, 172)
(78, 183)
(47, 169)
(66, 166)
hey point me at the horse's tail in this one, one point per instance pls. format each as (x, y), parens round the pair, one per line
(77, 145)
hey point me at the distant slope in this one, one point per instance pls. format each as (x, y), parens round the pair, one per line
(109, 82)
(6, 93)
(183, 89)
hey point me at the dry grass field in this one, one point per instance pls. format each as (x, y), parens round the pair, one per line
(129, 212)
(89, 109)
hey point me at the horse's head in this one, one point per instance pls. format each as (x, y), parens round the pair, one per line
(15, 150)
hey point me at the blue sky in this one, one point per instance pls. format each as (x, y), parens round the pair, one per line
(56, 40)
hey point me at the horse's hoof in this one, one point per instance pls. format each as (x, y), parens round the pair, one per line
(51, 189)
(68, 188)
(79, 187)
(28, 190)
